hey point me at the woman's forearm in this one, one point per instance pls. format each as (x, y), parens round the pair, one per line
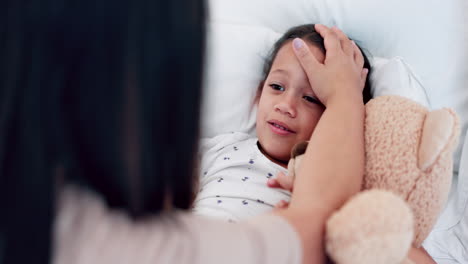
(333, 165)
(310, 227)
(331, 171)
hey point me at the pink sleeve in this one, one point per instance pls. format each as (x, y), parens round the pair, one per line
(87, 232)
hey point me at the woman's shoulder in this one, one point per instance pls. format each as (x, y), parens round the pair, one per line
(86, 229)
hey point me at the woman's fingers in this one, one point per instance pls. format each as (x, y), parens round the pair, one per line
(341, 69)
(304, 55)
(330, 40)
(358, 57)
(346, 44)
(364, 74)
(335, 38)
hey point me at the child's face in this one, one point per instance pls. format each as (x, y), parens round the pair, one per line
(288, 109)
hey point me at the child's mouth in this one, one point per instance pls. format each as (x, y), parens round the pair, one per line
(280, 128)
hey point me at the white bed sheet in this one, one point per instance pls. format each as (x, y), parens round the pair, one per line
(448, 241)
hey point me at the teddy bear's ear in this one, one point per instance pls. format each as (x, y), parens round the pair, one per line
(296, 153)
(299, 149)
(440, 132)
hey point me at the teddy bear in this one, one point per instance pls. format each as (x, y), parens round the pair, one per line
(406, 183)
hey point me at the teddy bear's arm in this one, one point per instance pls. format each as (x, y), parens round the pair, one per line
(438, 132)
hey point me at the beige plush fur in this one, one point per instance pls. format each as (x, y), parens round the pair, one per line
(406, 183)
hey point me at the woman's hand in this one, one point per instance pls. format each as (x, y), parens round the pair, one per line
(342, 73)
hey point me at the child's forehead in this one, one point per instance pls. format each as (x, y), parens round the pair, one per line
(286, 54)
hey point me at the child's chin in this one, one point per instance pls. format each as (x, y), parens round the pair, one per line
(280, 155)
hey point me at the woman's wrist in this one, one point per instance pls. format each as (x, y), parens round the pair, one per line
(345, 98)
(310, 228)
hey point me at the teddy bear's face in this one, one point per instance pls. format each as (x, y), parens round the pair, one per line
(409, 151)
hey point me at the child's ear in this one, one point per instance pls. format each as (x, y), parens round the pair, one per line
(259, 91)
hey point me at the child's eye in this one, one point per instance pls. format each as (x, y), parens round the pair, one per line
(311, 99)
(277, 87)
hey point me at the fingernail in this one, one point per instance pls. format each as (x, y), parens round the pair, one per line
(298, 43)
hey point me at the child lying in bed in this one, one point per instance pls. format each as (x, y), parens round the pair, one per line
(235, 167)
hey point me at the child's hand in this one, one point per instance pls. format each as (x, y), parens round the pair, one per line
(284, 182)
(341, 74)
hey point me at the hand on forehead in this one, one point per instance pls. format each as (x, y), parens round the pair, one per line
(342, 70)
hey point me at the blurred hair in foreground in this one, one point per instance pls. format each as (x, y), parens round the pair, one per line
(102, 93)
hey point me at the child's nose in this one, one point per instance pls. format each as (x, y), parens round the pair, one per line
(287, 106)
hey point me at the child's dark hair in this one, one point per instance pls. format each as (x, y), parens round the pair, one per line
(307, 33)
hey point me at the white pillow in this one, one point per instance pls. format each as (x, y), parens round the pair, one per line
(234, 70)
(447, 243)
(395, 77)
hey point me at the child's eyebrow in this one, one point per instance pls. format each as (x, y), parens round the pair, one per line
(280, 71)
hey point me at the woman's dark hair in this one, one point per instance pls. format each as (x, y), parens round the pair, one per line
(307, 32)
(102, 93)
